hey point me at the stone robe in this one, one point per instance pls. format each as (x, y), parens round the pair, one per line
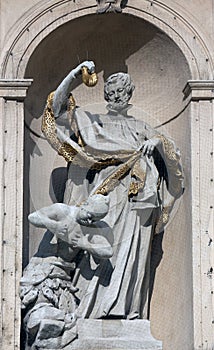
(118, 287)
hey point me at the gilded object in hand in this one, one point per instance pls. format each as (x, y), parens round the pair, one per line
(87, 78)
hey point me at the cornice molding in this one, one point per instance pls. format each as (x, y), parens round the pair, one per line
(199, 90)
(12, 89)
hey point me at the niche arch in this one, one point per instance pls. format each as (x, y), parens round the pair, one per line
(42, 19)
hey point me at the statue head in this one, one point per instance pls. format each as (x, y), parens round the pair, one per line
(94, 209)
(104, 6)
(118, 90)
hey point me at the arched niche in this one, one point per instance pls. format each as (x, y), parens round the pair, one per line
(43, 18)
(159, 69)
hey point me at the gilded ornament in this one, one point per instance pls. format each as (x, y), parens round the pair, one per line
(89, 79)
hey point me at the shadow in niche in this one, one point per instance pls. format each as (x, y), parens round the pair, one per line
(46, 248)
(57, 184)
(156, 257)
(108, 39)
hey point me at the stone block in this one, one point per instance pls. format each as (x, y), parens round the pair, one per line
(114, 334)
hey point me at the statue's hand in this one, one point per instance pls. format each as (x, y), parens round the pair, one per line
(60, 229)
(80, 241)
(149, 146)
(88, 64)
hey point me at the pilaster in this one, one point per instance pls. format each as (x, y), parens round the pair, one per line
(201, 94)
(12, 94)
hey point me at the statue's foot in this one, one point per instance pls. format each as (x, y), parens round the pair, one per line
(133, 316)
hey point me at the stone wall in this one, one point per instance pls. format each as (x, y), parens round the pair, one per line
(163, 45)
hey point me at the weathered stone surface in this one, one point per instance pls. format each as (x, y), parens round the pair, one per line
(114, 334)
(44, 312)
(59, 342)
(50, 329)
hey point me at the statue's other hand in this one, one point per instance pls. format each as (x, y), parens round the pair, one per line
(149, 146)
(59, 229)
(80, 241)
(63, 228)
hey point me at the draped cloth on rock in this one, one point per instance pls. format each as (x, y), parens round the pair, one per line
(105, 157)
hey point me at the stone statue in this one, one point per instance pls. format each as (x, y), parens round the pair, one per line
(66, 222)
(46, 291)
(104, 6)
(117, 156)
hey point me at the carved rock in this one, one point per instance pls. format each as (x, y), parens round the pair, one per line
(50, 329)
(41, 313)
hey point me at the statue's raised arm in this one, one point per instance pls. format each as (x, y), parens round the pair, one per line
(64, 89)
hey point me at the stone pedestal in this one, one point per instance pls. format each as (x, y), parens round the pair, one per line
(114, 334)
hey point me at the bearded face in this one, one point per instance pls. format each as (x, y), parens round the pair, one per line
(118, 96)
(110, 5)
(118, 90)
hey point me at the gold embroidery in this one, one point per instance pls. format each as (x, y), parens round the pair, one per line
(133, 188)
(71, 103)
(164, 216)
(140, 176)
(111, 182)
(172, 161)
(82, 159)
(49, 125)
(162, 220)
(169, 148)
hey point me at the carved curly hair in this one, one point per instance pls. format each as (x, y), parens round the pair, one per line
(124, 78)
